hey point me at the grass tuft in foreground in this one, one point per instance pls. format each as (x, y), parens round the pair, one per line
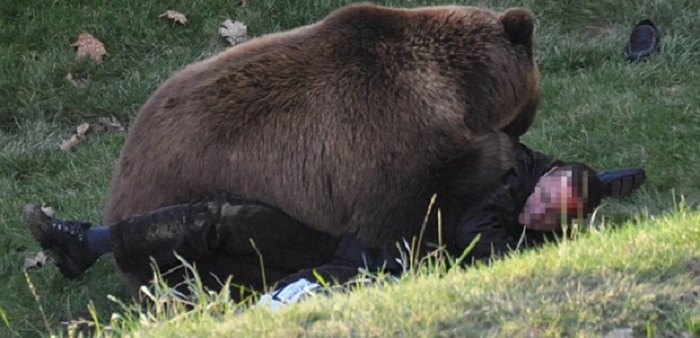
(642, 277)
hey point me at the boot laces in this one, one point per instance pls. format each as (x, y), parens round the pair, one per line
(69, 228)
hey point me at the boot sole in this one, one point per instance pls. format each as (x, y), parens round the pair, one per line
(641, 54)
(624, 186)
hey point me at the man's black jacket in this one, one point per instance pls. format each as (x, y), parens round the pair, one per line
(493, 217)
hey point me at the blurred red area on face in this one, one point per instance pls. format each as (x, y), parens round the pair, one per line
(552, 199)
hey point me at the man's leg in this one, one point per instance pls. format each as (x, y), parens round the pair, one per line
(67, 240)
(77, 245)
(241, 229)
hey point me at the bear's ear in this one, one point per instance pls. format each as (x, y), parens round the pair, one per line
(519, 24)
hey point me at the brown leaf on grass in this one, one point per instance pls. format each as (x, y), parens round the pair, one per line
(35, 260)
(83, 129)
(242, 3)
(111, 123)
(47, 210)
(88, 45)
(69, 144)
(175, 16)
(79, 136)
(78, 82)
(234, 32)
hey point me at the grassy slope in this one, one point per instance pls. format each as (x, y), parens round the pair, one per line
(634, 277)
(596, 108)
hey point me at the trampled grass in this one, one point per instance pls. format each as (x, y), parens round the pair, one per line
(596, 108)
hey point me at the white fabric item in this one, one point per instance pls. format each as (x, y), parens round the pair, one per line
(288, 294)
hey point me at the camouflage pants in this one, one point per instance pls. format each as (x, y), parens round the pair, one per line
(253, 242)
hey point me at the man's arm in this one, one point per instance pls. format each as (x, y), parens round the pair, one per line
(493, 220)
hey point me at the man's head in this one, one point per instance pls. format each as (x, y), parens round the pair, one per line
(563, 195)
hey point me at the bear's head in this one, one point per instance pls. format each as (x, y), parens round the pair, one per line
(518, 25)
(481, 58)
(491, 56)
(500, 72)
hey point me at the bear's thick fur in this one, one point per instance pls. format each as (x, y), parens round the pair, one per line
(347, 125)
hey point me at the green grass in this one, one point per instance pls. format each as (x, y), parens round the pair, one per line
(632, 278)
(596, 108)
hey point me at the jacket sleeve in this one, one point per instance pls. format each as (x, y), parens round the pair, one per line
(492, 219)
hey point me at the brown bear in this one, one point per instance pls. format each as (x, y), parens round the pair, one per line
(348, 125)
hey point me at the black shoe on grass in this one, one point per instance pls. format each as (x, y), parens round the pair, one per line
(64, 239)
(644, 41)
(621, 182)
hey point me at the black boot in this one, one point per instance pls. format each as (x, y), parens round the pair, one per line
(643, 41)
(621, 182)
(64, 238)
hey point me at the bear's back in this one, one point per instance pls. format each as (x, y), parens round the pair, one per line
(341, 124)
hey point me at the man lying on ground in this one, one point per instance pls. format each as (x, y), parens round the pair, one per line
(529, 207)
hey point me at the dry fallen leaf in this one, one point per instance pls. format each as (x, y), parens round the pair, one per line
(36, 260)
(47, 210)
(83, 129)
(111, 123)
(76, 138)
(175, 16)
(242, 3)
(234, 32)
(69, 144)
(88, 45)
(78, 82)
